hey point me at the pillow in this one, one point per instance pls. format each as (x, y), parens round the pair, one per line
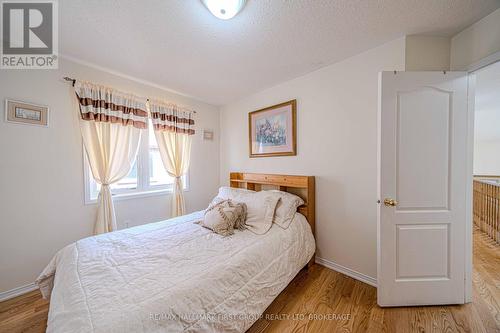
(260, 212)
(220, 217)
(232, 192)
(239, 223)
(214, 202)
(286, 208)
(260, 207)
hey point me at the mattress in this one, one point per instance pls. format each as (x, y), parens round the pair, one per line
(172, 276)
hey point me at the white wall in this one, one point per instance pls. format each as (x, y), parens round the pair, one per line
(486, 121)
(487, 158)
(476, 42)
(337, 143)
(41, 171)
(427, 53)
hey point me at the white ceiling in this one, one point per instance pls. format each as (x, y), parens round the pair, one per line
(178, 44)
(487, 107)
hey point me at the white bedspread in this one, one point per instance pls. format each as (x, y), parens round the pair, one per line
(172, 276)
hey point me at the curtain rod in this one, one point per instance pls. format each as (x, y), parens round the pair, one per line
(73, 81)
(70, 79)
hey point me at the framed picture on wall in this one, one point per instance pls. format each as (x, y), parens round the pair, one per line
(273, 130)
(26, 113)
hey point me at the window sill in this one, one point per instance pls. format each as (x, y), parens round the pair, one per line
(134, 195)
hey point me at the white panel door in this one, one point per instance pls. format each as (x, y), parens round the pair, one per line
(422, 188)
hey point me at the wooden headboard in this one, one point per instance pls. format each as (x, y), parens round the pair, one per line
(303, 186)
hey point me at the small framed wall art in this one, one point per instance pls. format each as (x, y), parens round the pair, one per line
(273, 130)
(26, 113)
(208, 135)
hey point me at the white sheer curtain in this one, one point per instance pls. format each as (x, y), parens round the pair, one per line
(173, 128)
(111, 125)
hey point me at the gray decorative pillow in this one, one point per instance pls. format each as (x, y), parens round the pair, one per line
(222, 215)
(241, 209)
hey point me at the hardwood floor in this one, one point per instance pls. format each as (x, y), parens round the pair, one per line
(340, 304)
(26, 313)
(323, 291)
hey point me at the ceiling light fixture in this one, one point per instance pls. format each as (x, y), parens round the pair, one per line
(224, 9)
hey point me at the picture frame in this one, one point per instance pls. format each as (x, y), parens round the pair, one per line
(272, 131)
(26, 113)
(208, 135)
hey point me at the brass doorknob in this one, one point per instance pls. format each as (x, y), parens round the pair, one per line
(390, 202)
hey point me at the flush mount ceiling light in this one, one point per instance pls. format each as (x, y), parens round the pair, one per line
(224, 9)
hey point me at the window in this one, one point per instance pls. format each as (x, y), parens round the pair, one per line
(147, 176)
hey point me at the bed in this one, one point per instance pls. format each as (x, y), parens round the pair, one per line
(176, 276)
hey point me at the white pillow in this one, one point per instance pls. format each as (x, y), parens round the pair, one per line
(260, 207)
(232, 192)
(286, 208)
(260, 211)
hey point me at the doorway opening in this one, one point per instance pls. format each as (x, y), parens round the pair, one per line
(486, 186)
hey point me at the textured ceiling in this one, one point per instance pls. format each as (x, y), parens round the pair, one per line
(178, 44)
